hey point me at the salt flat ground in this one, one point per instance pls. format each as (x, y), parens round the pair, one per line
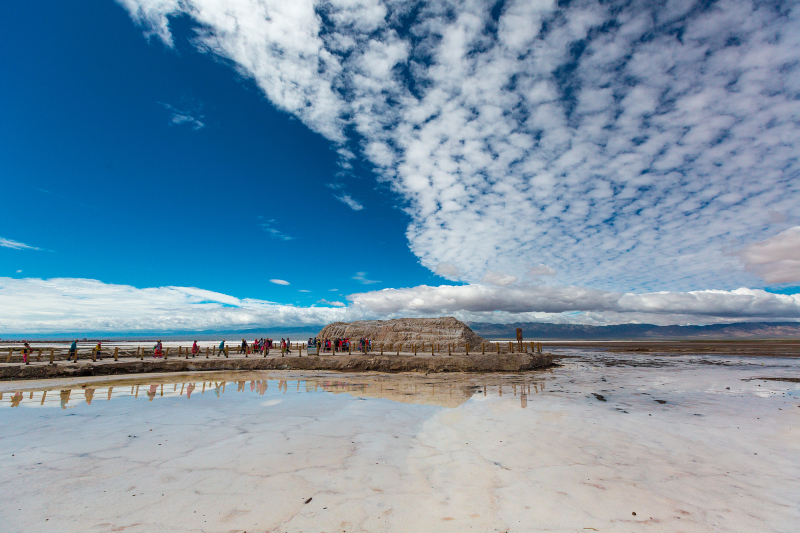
(687, 443)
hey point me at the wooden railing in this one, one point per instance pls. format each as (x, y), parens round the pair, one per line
(434, 348)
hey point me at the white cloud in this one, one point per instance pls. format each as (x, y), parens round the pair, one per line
(540, 270)
(185, 117)
(69, 304)
(267, 226)
(16, 245)
(498, 278)
(303, 290)
(349, 201)
(543, 303)
(279, 281)
(777, 259)
(360, 277)
(626, 145)
(447, 270)
(327, 302)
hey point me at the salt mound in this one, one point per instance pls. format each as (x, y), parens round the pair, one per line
(442, 330)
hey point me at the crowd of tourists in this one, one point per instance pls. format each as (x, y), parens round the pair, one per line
(341, 344)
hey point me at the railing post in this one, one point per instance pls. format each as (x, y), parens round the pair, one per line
(207, 350)
(94, 355)
(52, 355)
(483, 348)
(166, 354)
(39, 356)
(9, 356)
(449, 350)
(116, 353)
(381, 348)
(498, 348)
(226, 353)
(466, 347)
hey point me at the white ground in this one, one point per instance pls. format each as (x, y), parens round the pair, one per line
(721, 454)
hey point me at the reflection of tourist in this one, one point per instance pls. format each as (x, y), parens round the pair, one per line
(16, 399)
(216, 390)
(65, 398)
(152, 393)
(89, 393)
(189, 390)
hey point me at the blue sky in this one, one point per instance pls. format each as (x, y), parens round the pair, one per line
(104, 179)
(164, 162)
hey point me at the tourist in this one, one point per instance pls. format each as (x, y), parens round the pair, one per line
(288, 345)
(283, 347)
(26, 350)
(221, 348)
(157, 350)
(97, 350)
(195, 349)
(73, 351)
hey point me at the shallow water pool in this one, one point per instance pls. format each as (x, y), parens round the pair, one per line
(686, 443)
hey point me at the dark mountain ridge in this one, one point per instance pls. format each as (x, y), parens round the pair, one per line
(547, 331)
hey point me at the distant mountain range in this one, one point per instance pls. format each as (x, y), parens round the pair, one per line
(545, 331)
(530, 330)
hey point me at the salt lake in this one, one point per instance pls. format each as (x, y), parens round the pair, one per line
(603, 442)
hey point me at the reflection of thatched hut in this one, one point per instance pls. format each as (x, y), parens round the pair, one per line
(405, 330)
(402, 389)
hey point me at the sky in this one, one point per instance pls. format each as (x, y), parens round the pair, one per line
(218, 164)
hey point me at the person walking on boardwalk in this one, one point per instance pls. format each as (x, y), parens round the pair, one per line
(221, 348)
(26, 350)
(195, 349)
(73, 351)
(283, 347)
(157, 350)
(98, 348)
(288, 345)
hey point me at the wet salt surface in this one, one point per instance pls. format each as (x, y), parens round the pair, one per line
(687, 443)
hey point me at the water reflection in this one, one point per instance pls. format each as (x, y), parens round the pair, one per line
(442, 391)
